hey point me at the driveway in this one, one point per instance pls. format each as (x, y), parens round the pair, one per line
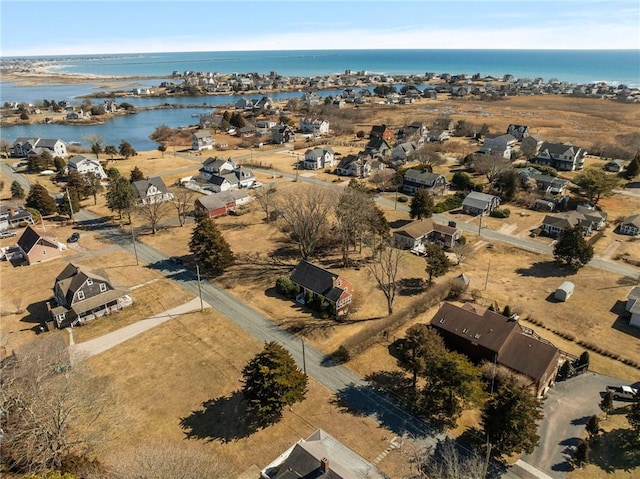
(567, 409)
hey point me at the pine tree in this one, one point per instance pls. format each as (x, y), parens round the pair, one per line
(127, 150)
(572, 249)
(422, 205)
(119, 196)
(16, 190)
(421, 346)
(566, 371)
(583, 451)
(633, 168)
(272, 380)
(437, 261)
(211, 250)
(136, 175)
(510, 418)
(593, 428)
(40, 199)
(606, 405)
(633, 416)
(70, 203)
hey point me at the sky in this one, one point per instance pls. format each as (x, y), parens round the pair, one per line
(84, 27)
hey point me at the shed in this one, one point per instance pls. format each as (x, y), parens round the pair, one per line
(564, 291)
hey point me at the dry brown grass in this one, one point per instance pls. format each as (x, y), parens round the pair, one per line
(199, 358)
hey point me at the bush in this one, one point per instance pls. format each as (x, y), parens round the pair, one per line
(501, 213)
(402, 199)
(286, 287)
(451, 203)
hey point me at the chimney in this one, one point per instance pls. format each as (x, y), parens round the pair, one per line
(324, 465)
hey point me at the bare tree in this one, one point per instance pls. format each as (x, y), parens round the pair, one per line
(491, 166)
(178, 460)
(305, 210)
(265, 196)
(96, 143)
(428, 156)
(384, 267)
(153, 212)
(449, 461)
(183, 199)
(51, 406)
(5, 147)
(354, 214)
(461, 250)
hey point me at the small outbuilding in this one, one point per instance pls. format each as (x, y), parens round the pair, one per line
(564, 291)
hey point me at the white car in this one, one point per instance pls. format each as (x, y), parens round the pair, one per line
(255, 184)
(7, 234)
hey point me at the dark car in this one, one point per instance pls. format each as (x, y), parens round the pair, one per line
(73, 238)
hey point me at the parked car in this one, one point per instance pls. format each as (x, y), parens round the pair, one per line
(255, 185)
(73, 238)
(622, 392)
(7, 234)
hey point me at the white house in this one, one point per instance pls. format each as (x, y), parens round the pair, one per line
(84, 165)
(318, 158)
(315, 126)
(150, 191)
(202, 140)
(630, 225)
(633, 306)
(22, 146)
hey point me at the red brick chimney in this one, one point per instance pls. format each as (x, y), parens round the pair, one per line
(324, 465)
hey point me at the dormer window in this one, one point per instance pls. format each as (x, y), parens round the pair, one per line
(477, 336)
(103, 287)
(89, 282)
(80, 295)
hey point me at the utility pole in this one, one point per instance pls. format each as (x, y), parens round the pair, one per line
(304, 360)
(486, 280)
(135, 248)
(297, 164)
(70, 205)
(199, 287)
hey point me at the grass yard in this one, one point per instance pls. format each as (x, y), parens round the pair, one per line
(189, 369)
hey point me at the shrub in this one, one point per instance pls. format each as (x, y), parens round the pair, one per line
(286, 287)
(501, 213)
(451, 203)
(402, 199)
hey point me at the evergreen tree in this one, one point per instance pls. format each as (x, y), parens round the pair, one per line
(211, 250)
(572, 249)
(633, 416)
(421, 346)
(422, 205)
(120, 196)
(70, 203)
(16, 190)
(606, 405)
(59, 164)
(596, 183)
(633, 168)
(510, 418)
(40, 199)
(566, 371)
(111, 151)
(506, 312)
(93, 186)
(583, 361)
(136, 175)
(583, 451)
(76, 181)
(272, 380)
(462, 181)
(437, 262)
(593, 428)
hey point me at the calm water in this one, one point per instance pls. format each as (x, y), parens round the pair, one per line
(617, 66)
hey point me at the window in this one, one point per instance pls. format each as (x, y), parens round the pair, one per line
(80, 295)
(89, 281)
(477, 336)
(103, 287)
(465, 330)
(442, 320)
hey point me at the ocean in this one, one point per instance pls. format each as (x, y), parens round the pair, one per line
(615, 67)
(575, 66)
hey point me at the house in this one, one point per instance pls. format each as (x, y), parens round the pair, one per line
(320, 456)
(224, 182)
(84, 165)
(22, 146)
(318, 158)
(615, 166)
(382, 132)
(38, 247)
(633, 306)
(218, 204)
(378, 147)
(216, 166)
(245, 177)
(315, 282)
(353, 165)
(499, 145)
(314, 126)
(419, 232)
(531, 144)
(438, 135)
(476, 203)
(202, 140)
(83, 295)
(443, 124)
(519, 132)
(484, 335)
(587, 218)
(630, 225)
(548, 183)
(413, 180)
(403, 151)
(150, 191)
(12, 217)
(561, 156)
(283, 134)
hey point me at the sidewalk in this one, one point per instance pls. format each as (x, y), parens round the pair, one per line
(108, 341)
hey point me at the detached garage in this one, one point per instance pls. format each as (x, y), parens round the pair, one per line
(564, 291)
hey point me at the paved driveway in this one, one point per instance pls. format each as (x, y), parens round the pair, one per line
(567, 409)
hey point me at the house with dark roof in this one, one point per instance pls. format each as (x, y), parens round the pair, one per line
(403, 151)
(320, 456)
(14, 216)
(547, 183)
(589, 219)
(216, 166)
(354, 165)
(318, 283)
(23, 146)
(561, 156)
(630, 225)
(476, 203)
(531, 144)
(83, 295)
(417, 233)
(283, 134)
(484, 335)
(383, 132)
(378, 147)
(150, 191)
(38, 247)
(519, 132)
(414, 179)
